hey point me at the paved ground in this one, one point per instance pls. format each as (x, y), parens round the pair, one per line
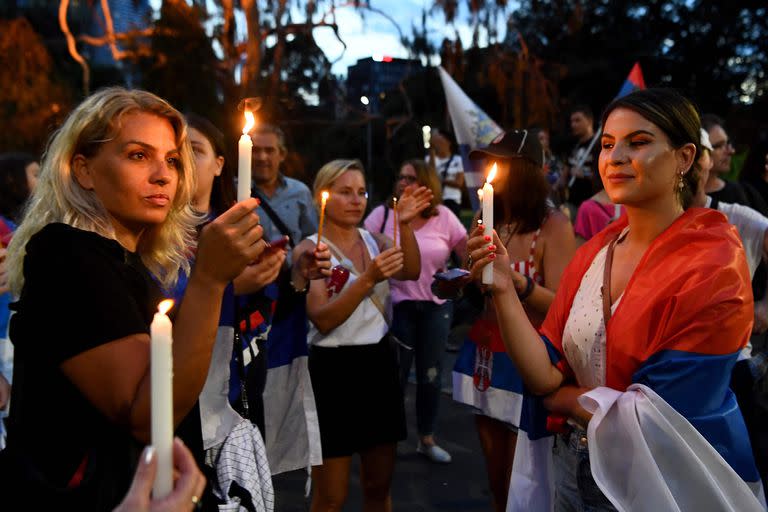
(419, 485)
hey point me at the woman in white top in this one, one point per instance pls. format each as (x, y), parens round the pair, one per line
(352, 365)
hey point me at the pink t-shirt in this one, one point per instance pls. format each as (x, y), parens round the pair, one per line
(593, 217)
(436, 239)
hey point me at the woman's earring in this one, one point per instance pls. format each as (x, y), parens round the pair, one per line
(681, 183)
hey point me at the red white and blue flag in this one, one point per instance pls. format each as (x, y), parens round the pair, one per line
(634, 81)
(473, 128)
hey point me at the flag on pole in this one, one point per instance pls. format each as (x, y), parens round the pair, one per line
(473, 128)
(634, 81)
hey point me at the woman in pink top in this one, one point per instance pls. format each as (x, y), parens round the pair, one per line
(595, 214)
(421, 320)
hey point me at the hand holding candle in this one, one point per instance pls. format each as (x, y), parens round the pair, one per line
(323, 199)
(244, 149)
(487, 196)
(161, 374)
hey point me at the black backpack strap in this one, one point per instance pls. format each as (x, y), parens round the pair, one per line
(274, 216)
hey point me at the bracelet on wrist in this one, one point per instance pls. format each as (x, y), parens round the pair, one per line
(529, 285)
(302, 290)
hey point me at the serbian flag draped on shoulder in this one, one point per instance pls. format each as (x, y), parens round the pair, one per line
(666, 431)
(473, 128)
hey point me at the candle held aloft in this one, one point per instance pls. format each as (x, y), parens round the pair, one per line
(161, 374)
(488, 220)
(323, 200)
(395, 221)
(244, 150)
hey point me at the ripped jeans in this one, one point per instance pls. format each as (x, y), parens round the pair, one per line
(424, 326)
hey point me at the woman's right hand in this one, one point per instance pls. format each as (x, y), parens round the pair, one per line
(482, 254)
(230, 242)
(187, 488)
(385, 265)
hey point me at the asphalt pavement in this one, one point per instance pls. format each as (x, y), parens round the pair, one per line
(419, 485)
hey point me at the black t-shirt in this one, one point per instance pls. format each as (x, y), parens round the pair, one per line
(730, 193)
(81, 290)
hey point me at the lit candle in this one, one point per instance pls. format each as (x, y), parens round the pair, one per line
(426, 134)
(394, 221)
(161, 372)
(244, 149)
(323, 199)
(487, 196)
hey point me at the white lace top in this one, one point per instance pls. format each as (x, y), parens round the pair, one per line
(584, 335)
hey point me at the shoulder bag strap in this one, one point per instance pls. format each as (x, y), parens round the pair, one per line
(606, 290)
(386, 216)
(274, 216)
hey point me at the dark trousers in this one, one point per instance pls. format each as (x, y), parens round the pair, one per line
(424, 326)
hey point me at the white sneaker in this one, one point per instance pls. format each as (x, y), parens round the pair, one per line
(434, 453)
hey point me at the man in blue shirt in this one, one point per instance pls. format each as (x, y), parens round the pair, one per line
(289, 198)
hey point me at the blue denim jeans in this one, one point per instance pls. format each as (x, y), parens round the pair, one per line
(575, 489)
(424, 326)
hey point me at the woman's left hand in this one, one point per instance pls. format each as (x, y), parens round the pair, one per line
(565, 402)
(412, 202)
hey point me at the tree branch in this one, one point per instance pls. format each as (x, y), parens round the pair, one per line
(72, 47)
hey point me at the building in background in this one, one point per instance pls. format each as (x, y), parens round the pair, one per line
(373, 76)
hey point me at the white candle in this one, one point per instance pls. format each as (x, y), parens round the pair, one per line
(488, 220)
(426, 134)
(162, 398)
(395, 221)
(323, 199)
(244, 149)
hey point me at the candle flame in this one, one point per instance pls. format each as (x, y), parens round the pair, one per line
(250, 122)
(492, 174)
(165, 306)
(324, 196)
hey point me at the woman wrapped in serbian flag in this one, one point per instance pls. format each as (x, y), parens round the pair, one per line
(639, 343)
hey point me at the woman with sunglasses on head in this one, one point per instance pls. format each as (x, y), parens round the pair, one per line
(540, 241)
(658, 428)
(420, 319)
(110, 218)
(351, 361)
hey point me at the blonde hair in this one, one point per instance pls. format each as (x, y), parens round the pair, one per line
(164, 248)
(330, 172)
(426, 176)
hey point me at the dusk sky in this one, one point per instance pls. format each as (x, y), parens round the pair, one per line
(368, 33)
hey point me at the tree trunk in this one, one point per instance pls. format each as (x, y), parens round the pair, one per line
(250, 73)
(277, 56)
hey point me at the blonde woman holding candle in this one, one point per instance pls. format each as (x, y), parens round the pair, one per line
(110, 213)
(352, 364)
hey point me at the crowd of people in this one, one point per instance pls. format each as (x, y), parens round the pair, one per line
(627, 306)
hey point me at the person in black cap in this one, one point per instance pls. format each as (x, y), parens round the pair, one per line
(540, 241)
